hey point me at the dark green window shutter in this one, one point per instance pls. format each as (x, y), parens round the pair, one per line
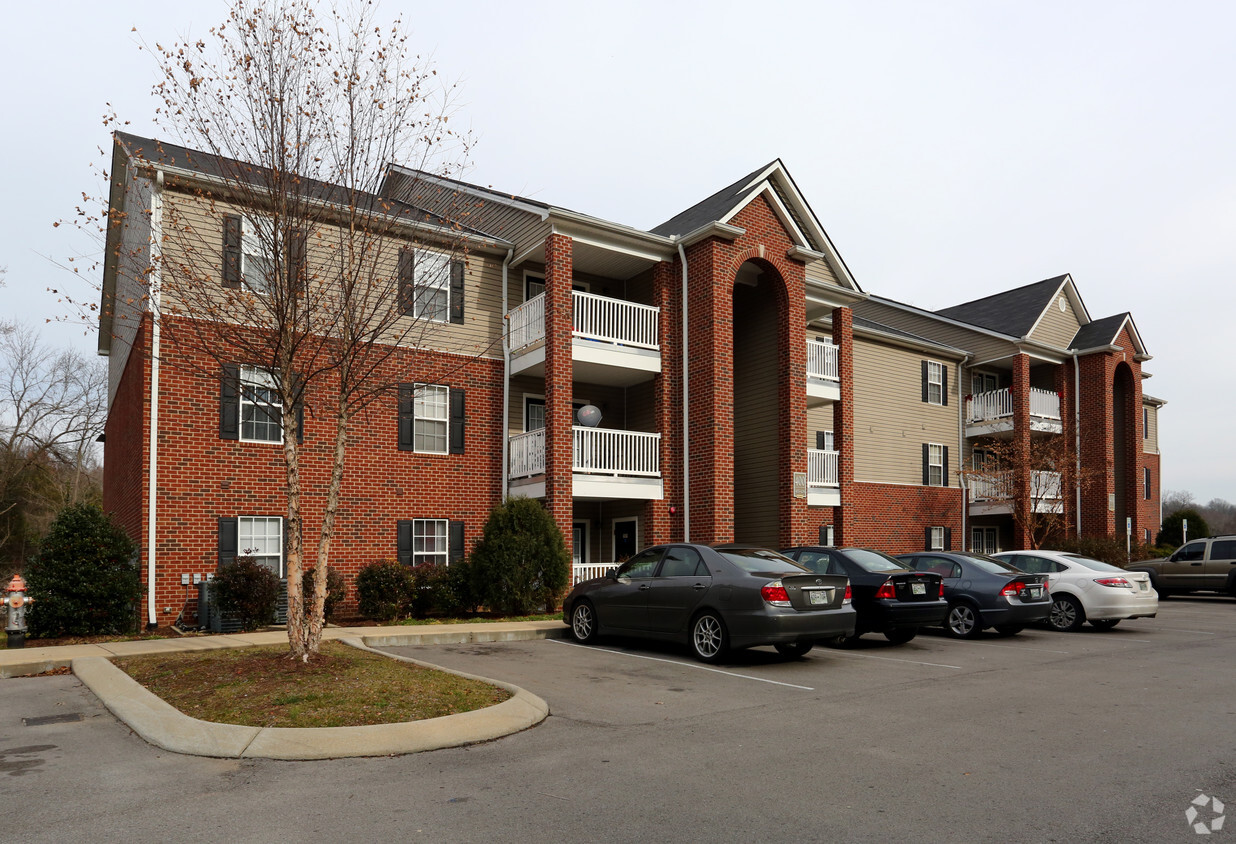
(403, 546)
(927, 538)
(925, 393)
(944, 474)
(456, 542)
(229, 403)
(457, 422)
(819, 440)
(297, 246)
(227, 541)
(926, 465)
(457, 291)
(944, 385)
(948, 539)
(407, 281)
(407, 407)
(231, 250)
(298, 406)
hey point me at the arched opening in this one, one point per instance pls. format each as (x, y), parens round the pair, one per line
(1123, 462)
(757, 404)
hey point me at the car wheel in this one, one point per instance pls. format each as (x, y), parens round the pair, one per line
(1009, 629)
(901, 635)
(962, 621)
(1066, 615)
(709, 641)
(1104, 623)
(795, 649)
(584, 623)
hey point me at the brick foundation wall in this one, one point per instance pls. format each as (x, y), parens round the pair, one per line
(891, 518)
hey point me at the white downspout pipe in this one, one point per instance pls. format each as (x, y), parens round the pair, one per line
(686, 405)
(961, 450)
(152, 490)
(506, 376)
(1077, 438)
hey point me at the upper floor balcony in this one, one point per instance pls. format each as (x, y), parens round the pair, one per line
(990, 414)
(823, 478)
(613, 342)
(823, 373)
(605, 463)
(993, 493)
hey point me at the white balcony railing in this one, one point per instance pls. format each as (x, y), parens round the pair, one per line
(822, 468)
(822, 361)
(1045, 486)
(595, 451)
(616, 321)
(998, 486)
(587, 571)
(527, 322)
(998, 404)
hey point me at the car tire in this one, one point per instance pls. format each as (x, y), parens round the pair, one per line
(901, 635)
(1066, 614)
(1009, 629)
(584, 623)
(1104, 623)
(962, 621)
(795, 649)
(709, 640)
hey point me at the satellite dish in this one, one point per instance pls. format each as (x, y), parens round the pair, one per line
(589, 416)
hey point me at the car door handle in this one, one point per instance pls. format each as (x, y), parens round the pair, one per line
(645, 587)
(1195, 564)
(699, 587)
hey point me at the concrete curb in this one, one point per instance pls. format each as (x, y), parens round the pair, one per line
(166, 727)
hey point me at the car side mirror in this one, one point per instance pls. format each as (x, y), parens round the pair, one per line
(612, 573)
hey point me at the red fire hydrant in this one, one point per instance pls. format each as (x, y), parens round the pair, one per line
(16, 601)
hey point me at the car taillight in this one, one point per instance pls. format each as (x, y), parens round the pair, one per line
(1118, 582)
(941, 588)
(774, 593)
(848, 595)
(1012, 588)
(886, 590)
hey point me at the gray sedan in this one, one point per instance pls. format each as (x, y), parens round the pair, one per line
(983, 592)
(712, 600)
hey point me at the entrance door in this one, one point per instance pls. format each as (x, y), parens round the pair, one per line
(984, 540)
(579, 543)
(625, 538)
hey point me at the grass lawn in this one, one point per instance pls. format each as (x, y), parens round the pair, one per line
(342, 687)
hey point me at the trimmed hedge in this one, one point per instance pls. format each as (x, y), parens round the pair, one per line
(521, 563)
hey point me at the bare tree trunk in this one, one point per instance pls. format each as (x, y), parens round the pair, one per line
(296, 595)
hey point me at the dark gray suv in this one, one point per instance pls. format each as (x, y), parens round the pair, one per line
(1200, 565)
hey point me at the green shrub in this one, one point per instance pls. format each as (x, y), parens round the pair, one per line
(85, 579)
(383, 590)
(456, 592)
(1108, 549)
(246, 590)
(336, 591)
(429, 582)
(1172, 532)
(521, 563)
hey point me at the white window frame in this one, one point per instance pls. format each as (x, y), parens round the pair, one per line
(981, 534)
(257, 545)
(256, 246)
(937, 538)
(431, 276)
(530, 279)
(983, 382)
(427, 535)
(422, 418)
(935, 463)
(579, 554)
(254, 378)
(613, 536)
(936, 383)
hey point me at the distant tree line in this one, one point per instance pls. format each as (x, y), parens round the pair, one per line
(1215, 518)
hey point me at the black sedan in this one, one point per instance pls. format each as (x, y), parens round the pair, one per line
(889, 596)
(983, 592)
(713, 599)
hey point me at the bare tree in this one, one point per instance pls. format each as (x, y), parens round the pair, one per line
(288, 120)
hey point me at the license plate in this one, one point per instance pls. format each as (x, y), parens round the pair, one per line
(918, 588)
(1035, 591)
(1144, 586)
(817, 596)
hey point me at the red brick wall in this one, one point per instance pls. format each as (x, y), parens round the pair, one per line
(659, 524)
(126, 444)
(843, 424)
(559, 324)
(892, 518)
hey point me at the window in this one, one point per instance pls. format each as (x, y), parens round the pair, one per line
(934, 474)
(1147, 539)
(642, 564)
(1146, 482)
(824, 441)
(429, 543)
(431, 285)
(934, 383)
(256, 243)
(1190, 552)
(1145, 423)
(982, 382)
(534, 285)
(984, 540)
(261, 412)
(682, 562)
(430, 418)
(937, 539)
(261, 537)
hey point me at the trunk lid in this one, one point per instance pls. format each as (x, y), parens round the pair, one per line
(915, 586)
(815, 591)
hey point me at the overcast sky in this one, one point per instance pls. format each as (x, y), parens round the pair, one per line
(951, 149)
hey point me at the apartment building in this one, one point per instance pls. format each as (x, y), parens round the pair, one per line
(720, 377)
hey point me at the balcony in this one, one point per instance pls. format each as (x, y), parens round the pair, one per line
(990, 414)
(823, 478)
(823, 373)
(605, 464)
(992, 493)
(613, 342)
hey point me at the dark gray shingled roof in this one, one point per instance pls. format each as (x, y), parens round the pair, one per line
(709, 210)
(1013, 312)
(1101, 332)
(861, 322)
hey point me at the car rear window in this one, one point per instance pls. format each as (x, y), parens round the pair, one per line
(989, 564)
(1094, 565)
(761, 560)
(1223, 549)
(870, 560)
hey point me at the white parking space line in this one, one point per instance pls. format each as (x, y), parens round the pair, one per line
(1178, 630)
(683, 665)
(993, 645)
(894, 659)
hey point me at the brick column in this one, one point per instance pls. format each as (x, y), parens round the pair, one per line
(1097, 455)
(1021, 447)
(843, 426)
(658, 524)
(1063, 382)
(558, 382)
(792, 421)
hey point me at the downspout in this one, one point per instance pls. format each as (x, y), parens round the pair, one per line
(1077, 438)
(152, 491)
(686, 406)
(961, 451)
(503, 423)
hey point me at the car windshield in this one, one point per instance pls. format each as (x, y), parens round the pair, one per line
(870, 560)
(1094, 565)
(992, 565)
(761, 560)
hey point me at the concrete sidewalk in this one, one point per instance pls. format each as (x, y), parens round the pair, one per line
(164, 726)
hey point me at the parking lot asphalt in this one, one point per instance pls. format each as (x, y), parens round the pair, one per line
(1043, 736)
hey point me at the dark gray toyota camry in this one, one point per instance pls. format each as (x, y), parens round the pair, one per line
(713, 600)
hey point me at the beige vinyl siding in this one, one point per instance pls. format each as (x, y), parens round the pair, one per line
(981, 346)
(1055, 328)
(821, 273)
(818, 419)
(132, 265)
(891, 421)
(1150, 442)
